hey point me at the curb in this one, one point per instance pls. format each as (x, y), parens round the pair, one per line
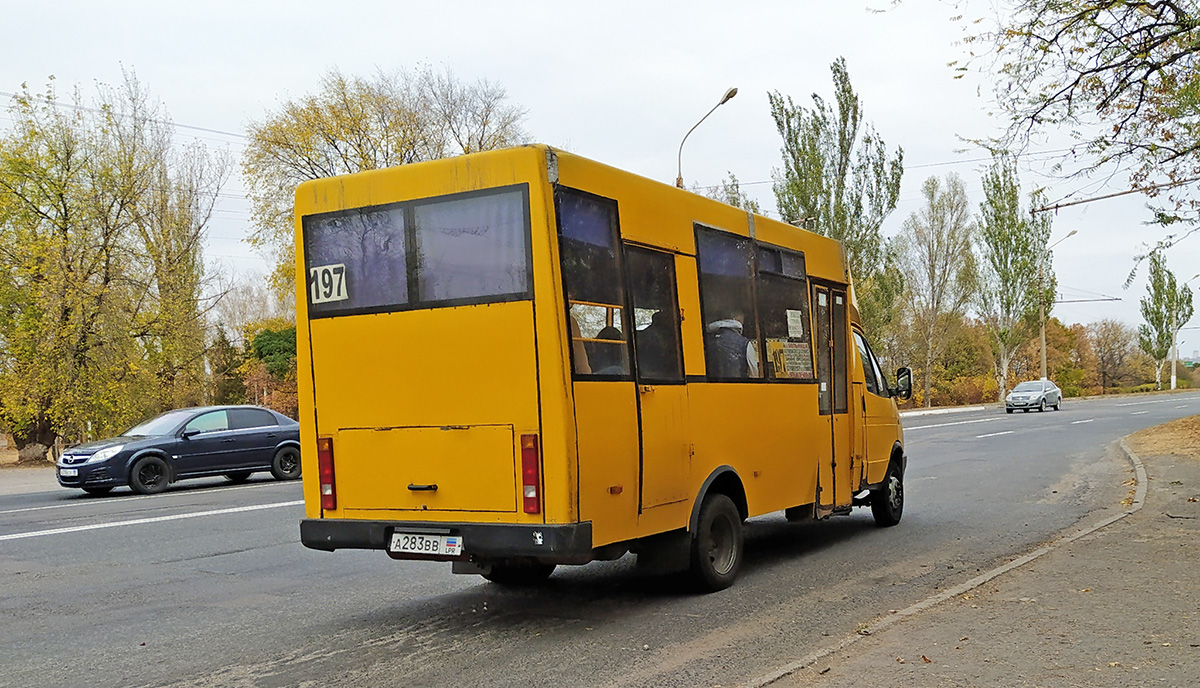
(1139, 500)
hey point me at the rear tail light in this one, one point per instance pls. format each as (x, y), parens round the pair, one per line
(325, 471)
(531, 478)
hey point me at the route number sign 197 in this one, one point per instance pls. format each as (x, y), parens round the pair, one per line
(327, 283)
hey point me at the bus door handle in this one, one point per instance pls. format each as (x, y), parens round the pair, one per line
(423, 488)
(646, 389)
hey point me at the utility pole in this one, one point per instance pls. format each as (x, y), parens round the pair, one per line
(1041, 295)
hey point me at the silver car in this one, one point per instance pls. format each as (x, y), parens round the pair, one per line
(1036, 394)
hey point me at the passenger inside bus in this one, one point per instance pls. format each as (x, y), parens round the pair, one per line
(733, 354)
(578, 350)
(656, 347)
(605, 358)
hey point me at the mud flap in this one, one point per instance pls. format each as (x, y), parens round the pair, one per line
(664, 554)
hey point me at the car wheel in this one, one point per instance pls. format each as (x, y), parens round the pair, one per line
(887, 502)
(1024, 410)
(237, 476)
(519, 574)
(1058, 404)
(149, 475)
(1008, 410)
(286, 464)
(98, 490)
(717, 544)
(1042, 406)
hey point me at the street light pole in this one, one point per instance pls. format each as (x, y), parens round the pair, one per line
(1175, 330)
(730, 93)
(1042, 295)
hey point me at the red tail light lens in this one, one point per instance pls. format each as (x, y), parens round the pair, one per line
(531, 474)
(325, 471)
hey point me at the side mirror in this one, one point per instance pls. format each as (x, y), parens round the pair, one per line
(189, 434)
(903, 388)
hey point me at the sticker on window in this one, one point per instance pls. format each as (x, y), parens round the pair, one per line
(327, 283)
(795, 324)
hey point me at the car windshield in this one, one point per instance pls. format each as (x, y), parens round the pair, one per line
(162, 425)
(1029, 387)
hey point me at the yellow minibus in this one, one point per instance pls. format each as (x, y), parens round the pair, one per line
(522, 358)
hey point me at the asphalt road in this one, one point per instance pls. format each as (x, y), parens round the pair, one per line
(208, 585)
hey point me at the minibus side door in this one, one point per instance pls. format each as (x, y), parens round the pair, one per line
(658, 365)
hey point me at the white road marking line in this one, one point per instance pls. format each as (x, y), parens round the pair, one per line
(942, 425)
(1158, 401)
(1182, 406)
(85, 501)
(1138, 413)
(153, 519)
(995, 434)
(1077, 422)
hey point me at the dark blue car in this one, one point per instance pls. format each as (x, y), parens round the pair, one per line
(233, 441)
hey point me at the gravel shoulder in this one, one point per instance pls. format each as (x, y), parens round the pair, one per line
(1119, 607)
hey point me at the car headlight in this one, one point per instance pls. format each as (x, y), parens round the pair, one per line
(105, 454)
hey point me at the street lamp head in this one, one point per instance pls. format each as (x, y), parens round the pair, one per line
(1073, 233)
(728, 96)
(731, 92)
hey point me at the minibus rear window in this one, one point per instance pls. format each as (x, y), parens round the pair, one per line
(446, 251)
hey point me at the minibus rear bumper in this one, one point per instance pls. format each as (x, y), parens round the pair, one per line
(481, 541)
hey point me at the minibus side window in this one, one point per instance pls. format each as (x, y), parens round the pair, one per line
(783, 314)
(591, 271)
(655, 315)
(731, 344)
(868, 370)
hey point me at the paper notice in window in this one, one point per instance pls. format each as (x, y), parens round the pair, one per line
(795, 324)
(790, 359)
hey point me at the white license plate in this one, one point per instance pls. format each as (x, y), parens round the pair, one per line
(68, 472)
(416, 543)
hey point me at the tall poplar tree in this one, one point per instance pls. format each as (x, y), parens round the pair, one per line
(1165, 307)
(839, 180)
(938, 267)
(1010, 244)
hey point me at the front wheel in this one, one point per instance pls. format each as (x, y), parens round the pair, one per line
(887, 502)
(1058, 403)
(717, 544)
(1042, 406)
(1008, 410)
(519, 574)
(286, 464)
(149, 475)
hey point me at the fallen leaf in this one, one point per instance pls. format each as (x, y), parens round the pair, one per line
(1176, 482)
(900, 659)
(963, 638)
(824, 671)
(1193, 499)
(1115, 664)
(1086, 590)
(926, 659)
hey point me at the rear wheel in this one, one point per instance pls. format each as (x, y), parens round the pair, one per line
(717, 544)
(1058, 403)
(237, 476)
(149, 475)
(98, 490)
(519, 574)
(286, 464)
(887, 502)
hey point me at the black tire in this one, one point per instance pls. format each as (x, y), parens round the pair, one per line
(1008, 410)
(1042, 405)
(98, 490)
(887, 502)
(1025, 410)
(237, 476)
(519, 574)
(1058, 403)
(717, 545)
(286, 464)
(149, 475)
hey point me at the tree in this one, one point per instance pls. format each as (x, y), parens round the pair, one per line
(1120, 75)
(938, 265)
(101, 225)
(1165, 308)
(353, 124)
(1011, 246)
(839, 181)
(730, 191)
(1113, 342)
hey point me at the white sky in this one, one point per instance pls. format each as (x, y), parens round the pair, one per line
(619, 82)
